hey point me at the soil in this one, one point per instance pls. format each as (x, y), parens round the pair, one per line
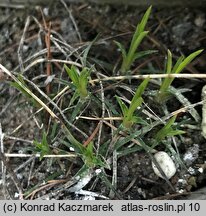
(182, 30)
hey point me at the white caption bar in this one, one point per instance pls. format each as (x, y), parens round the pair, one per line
(103, 207)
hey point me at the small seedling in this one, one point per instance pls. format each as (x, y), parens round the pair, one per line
(128, 113)
(43, 146)
(90, 159)
(167, 131)
(181, 63)
(86, 153)
(132, 54)
(79, 80)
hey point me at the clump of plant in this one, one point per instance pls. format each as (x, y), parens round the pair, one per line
(129, 116)
(128, 57)
(167, 131)
(181, 63)
(43, 146)
(79, 80)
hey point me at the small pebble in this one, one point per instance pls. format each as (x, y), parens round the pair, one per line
(166, 163)
(200, 170)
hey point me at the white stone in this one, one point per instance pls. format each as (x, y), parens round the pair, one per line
(97, 171)
(200, 170)
(71, 148)
(166, 163)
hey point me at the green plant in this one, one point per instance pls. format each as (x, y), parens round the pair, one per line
(128, 112)
(132, 54)
(79, 80)
(21, 85)
(181, 63)
(90, 158)
(43, 146)
(86, 153)
(167, 131)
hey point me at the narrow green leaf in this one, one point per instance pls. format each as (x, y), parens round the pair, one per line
(44, 141)
(139, 120)
(167, 81)
(78, 107)
(43, 146)
(18, 87)
(140, 90)
(121, 142)
(144, 20)
(90, 159)
(122, 49)
(165, 85)
(86, 51)
(133, 106)
(175, 133)
(128, 151)
(78, 147)
(84, 78)
(141, 26)
(167, 130)
(83, 171)
(133, 48)
(170, 122)
(73, 75)
(74, 97)
(187, 61)
(179, 61)
(169, 62)
(85, 74)
(54, 130)
(23, 90)
(122, 105)
(99, 161)
(89, 151)
(111, 107)
(141, 54)
(128, 58)
(137, 100)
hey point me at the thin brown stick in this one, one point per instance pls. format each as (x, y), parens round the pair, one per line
(91, 137)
